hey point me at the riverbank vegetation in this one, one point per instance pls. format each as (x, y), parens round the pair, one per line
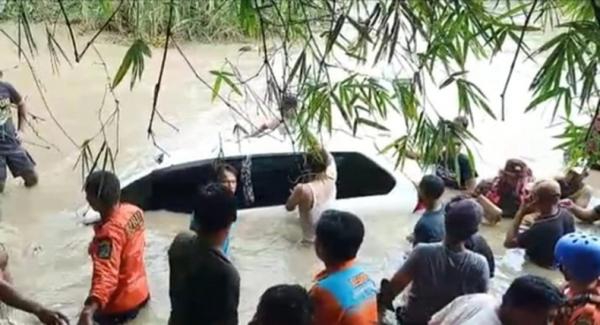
(198, 20)
(304, 43)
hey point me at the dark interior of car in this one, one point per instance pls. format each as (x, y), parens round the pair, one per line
(272, 177)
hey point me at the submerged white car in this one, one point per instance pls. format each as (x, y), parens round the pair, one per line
(364, 183)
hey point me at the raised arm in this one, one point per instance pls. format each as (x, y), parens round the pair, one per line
(585, 215)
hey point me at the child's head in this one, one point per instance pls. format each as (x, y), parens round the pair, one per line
(431, 189)
(339, 236)
(578, 257)
(284, 304)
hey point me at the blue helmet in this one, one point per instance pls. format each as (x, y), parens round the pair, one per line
(579, 255)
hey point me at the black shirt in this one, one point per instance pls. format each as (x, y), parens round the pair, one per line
(479, 245)
(204, 285)
(447, 171)
(540, 239)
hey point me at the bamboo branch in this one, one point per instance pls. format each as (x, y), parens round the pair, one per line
(78, 55)
(162, 70)
(512, 65)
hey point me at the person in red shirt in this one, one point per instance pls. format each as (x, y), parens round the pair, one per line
(343, 293)
(119, 285)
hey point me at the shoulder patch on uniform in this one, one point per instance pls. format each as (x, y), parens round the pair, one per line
(104, 249)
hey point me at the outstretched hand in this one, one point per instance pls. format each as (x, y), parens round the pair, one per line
(51, 317)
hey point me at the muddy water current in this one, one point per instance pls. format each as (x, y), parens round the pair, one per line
(48, 243)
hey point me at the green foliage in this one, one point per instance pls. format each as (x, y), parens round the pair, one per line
(302, 43)
(204, 20)
(134, 60)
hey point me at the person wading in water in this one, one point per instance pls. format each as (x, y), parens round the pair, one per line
(12, 153)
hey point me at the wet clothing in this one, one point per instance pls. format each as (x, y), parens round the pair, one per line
(508, 190)
(204, 286)
(446, 169)
(120, 318)
(8, 96)
(581, 308)
(344, 296)
(479, 245)
(12, 154)
(475, 309)
(439, 276)
(430, 227)
(119, 283)
(539, 240)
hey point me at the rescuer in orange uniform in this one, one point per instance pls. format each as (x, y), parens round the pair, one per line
(119, 285)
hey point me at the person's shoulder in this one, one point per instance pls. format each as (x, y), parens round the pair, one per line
(182, 241)
(425, 249)
(566, 214)
(477, 260)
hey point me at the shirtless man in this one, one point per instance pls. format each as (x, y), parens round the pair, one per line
(315, 196)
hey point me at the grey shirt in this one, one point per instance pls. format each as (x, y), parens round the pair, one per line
(439, 276)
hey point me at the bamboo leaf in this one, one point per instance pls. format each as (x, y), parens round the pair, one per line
(372, 124)
(134, 60)
(543, 97)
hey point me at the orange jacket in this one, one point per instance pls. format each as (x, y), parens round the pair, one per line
(586, 311)
(344, 296)
(119, 281)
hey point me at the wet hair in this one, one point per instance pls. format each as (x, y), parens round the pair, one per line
(432, 186)
(284, 304)
(340, 234)
(221, 169)
(215, 209)
(533, 293)
(317, 161)
(105, 186)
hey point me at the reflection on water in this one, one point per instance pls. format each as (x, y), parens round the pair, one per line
(48, 244)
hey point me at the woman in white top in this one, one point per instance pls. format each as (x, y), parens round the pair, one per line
(315, 196)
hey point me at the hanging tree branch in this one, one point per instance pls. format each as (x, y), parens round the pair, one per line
(514, 61)
(162, 70)
(78, 55)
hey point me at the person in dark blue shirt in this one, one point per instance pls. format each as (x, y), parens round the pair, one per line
(430, 227)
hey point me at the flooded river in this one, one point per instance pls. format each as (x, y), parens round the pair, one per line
(42, 227)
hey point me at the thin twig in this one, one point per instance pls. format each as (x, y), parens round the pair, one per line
(78, 55)
(205, 83)
(162, 68)
(512, 65)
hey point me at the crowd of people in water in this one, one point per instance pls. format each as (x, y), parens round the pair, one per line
(445, 277)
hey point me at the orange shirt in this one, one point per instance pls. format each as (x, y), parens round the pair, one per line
(119, 281)
(586, 311)
(344, 295)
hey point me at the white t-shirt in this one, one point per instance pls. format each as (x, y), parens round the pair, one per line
(475, 309)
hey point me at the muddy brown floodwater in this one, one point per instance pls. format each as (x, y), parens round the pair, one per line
(48, 243)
